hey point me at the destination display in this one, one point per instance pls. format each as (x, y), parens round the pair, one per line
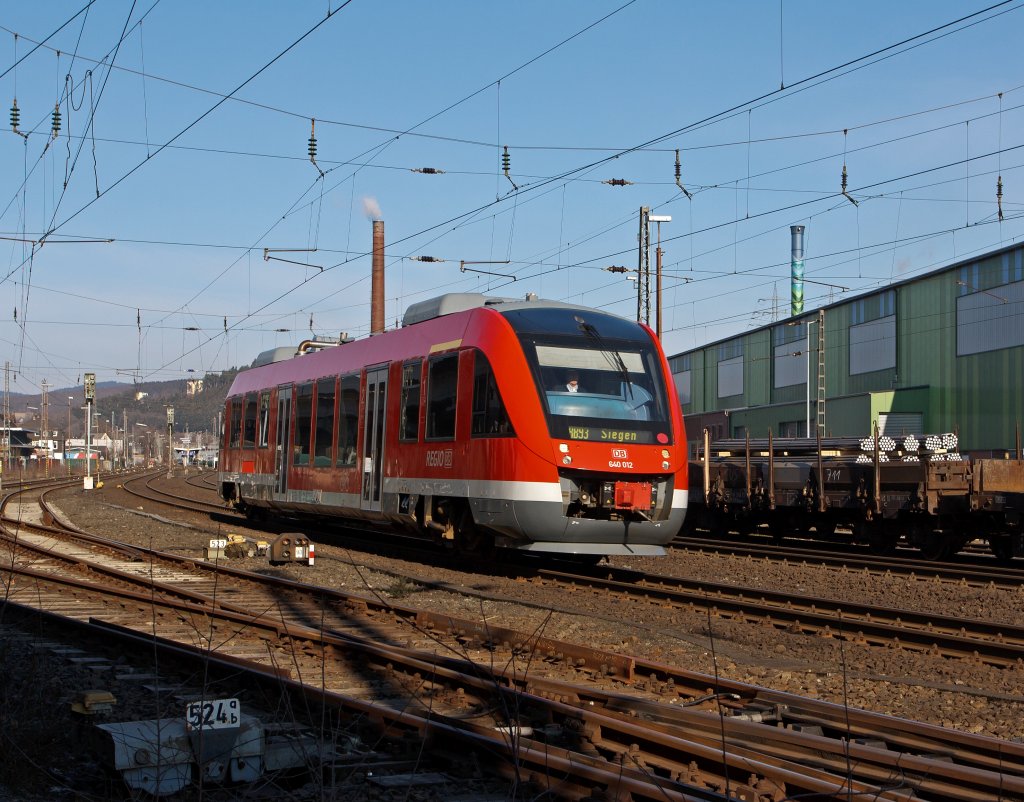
(608, 435)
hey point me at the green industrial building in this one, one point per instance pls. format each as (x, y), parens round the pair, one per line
(942, 352)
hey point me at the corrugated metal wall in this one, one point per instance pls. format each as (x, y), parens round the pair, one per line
(979, 395)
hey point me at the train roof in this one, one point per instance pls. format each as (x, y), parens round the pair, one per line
(453, 302)
(294, 363)
(278, 354)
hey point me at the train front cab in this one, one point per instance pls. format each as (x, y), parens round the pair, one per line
(614, 437)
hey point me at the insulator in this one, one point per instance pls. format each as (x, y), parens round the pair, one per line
(55, 122)
(617, 182)
(15, 115)
(427, 259)
(844, 179)
(428, 170)
(999, 196)
(679, 169)
(506, 161)
(312, 140)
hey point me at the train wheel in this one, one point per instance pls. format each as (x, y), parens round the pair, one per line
(719, 526)
(257, 515)
(1002, 548)
(825, 530)
(936, 547)
(879, 540)
(470, 539)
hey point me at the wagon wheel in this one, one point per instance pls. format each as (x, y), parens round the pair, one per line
(472, 540)
(936, 547)
(719, 524)
(1002, 548)
(880, 541)
(257, 515)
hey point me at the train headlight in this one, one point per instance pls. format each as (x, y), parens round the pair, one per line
(664, 453)
(567, 460)
(563, 447)
(664, 465)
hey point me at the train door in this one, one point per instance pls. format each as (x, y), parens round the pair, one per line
(284, 432)
(373, 436)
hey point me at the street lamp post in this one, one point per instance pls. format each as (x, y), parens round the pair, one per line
(67, 436)
(170, 441)
(144, 426)
(90, 395)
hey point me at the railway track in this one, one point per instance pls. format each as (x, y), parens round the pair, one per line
(984, 572)
(808, 751)
(144, 487)
(955, 637)
(1000, 645)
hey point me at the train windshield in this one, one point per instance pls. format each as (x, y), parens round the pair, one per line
(599, 377)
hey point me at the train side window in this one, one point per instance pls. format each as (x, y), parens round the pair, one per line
(249, 423)
(409, 428)
(264, 425)
(323, 436)
(442, 396)
(490, 418)
(348, 420)
(236, 423)
(303, 424)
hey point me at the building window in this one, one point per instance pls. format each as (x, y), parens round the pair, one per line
(323, 437)
(348, 420)
(490, 418)
(682, 374)
(867, 309)
(730, 377)
(442, 396)
(684, 384)
(303, 424)
(790, 354)
(409, 426)
(790, 364)
(873, 345)
(793, 428)
(990, 320)
(264, 431)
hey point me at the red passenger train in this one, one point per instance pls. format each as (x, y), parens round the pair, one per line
(482, 422)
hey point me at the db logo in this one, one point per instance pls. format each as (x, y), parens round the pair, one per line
(619, 453)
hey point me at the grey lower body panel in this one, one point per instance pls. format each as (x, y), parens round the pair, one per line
(521, 520)
(543, 526)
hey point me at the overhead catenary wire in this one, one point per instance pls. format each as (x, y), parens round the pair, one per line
(56, 226)
(573, 238)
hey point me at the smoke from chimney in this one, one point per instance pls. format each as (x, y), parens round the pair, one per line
(371, 209)
(377, 277)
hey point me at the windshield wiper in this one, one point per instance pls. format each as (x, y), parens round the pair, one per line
(612, 355)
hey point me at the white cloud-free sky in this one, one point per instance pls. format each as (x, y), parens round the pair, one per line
(190, 187)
